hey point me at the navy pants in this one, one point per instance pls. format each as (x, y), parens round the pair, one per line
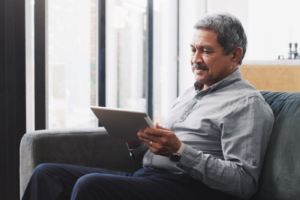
(62, 182)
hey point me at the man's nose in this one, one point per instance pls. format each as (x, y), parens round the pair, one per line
(198, 57)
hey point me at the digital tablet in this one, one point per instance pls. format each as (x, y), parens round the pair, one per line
(122, 124)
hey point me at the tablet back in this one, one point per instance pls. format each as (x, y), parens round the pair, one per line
(122, 124)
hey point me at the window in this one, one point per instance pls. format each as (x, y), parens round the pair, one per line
(164, 57)
(71, 61)
(72, 35)
(126, 55)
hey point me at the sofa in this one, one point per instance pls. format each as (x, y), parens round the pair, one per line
(279, 179)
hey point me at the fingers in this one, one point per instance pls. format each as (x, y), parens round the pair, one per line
(158, 132)
(155, 135)
(146, 137)
(155, 144)
(160, 127)
(155, 147)
(149, 140)
(159, 140)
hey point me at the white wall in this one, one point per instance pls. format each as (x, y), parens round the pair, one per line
(270, 25)
(273, 24)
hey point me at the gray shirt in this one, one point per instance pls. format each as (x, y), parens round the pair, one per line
(226, 129)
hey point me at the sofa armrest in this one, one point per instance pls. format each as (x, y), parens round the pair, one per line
(85, 147)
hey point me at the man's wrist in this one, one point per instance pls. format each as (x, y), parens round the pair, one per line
(181, 149)
(175, 157)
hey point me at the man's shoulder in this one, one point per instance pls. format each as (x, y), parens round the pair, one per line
(248, 95)
(237, 93)
(244, 90)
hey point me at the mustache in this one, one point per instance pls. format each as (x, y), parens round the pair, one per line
(198, 66)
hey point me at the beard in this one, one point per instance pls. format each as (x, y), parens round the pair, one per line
(198, 85)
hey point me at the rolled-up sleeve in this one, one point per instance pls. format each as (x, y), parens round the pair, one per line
(245, 132)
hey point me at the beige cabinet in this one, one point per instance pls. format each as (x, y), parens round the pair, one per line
(273, 75)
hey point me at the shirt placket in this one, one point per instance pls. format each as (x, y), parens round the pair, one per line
(188, 109)
(147, 160)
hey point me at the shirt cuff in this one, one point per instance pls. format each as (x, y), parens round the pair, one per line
(188, 160)
(139, 149)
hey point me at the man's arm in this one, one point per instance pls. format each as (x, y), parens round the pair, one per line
(137, 151)
(245, 133)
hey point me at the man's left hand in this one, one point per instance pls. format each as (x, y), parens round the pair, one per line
(161, 141)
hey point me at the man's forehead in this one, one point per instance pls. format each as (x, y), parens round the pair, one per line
(204, 37)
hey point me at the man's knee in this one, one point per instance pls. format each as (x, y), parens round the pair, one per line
(93, 185)
(87, 181)
(43, 168)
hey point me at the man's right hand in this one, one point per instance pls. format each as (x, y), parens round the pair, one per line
(133, 144)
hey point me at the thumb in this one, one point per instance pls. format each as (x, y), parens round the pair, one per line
(158, 126)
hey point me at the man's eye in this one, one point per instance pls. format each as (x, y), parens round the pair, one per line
(193, 50)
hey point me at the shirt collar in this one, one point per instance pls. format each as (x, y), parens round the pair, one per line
(235, 76)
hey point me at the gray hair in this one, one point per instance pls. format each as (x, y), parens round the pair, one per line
(230, 31)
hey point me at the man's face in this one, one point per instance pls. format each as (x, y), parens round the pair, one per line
(209, 65)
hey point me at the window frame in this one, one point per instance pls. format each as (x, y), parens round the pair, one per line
(40, 60)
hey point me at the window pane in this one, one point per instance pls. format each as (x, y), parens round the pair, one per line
(164, 57)
(126, 65)
(71, 54)
(190, 11)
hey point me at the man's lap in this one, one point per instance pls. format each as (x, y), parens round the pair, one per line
(143, 184)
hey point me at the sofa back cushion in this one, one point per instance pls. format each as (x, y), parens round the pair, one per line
(280, 176)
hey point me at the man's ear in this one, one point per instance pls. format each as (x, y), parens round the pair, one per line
(236, 55)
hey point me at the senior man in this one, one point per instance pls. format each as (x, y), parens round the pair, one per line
(211, 146)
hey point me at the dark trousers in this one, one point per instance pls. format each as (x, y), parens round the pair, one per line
(60, 181)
